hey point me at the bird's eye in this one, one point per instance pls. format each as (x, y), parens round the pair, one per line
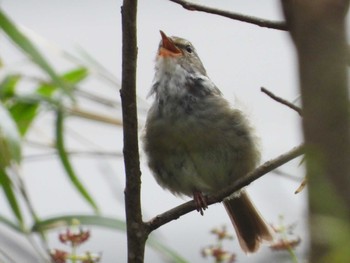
(189, 49)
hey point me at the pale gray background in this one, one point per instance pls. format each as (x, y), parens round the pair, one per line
(239, 57)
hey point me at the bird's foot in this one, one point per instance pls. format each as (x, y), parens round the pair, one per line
(201, 201)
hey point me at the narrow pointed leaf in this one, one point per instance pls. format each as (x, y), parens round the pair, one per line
(8, 86)
(10, 141)
(10, 154)
(10, 195)
(20, 39)
(25, 112)
(91, 220)
(76, 75)
(66, 162)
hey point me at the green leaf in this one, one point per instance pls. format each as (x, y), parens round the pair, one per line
(10, 142)
(66, 162)
(10, 195)
(71, 77)
(8, 86)
(10, 153)
(24, 112)
(76, 75)
(20, 39)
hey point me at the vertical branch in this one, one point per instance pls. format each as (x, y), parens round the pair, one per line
(318, 31)
(136, 231)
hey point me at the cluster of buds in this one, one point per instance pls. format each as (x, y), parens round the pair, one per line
(61, 256)
(221, 233)
(283, 244)
(217, 251)
(74, 237)
(286, 239)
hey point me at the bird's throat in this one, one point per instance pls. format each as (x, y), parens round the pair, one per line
(171, 78)
(164, 52)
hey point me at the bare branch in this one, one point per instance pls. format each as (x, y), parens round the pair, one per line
(187, 207)
(136, 231)
(235, 16)
(282, 101)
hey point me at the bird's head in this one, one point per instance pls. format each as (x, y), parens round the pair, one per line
(179, 73)
(180, 51)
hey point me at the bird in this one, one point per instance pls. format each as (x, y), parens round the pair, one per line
(196, 143)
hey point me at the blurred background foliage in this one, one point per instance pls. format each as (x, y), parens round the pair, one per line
(58, 94)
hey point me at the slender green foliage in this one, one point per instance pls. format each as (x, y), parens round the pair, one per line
(66, 162)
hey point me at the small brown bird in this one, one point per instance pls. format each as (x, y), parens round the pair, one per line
(196, 143)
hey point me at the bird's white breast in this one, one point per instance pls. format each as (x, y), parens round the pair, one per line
(171, 77)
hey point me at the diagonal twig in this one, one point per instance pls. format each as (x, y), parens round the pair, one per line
(282, 101)
(187, 207)
(235, 16)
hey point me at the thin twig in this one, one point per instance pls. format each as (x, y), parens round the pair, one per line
(236, 16)
(93, 116)
(20, 186)
(282, 101)
(187, 207)
(39, 145)
(41, 156)
(285, 175)
(98, 99)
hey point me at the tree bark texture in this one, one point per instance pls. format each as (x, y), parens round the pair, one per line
(136, 231)
(318, 31)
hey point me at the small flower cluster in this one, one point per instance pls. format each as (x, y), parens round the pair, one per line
(60, 256)
(221, 234)
(74, 237)
(286, 239)
(283, 244)
(217, 251)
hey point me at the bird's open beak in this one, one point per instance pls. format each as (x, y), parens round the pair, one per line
(168, 48)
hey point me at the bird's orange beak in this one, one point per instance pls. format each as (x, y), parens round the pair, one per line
(168, 48)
